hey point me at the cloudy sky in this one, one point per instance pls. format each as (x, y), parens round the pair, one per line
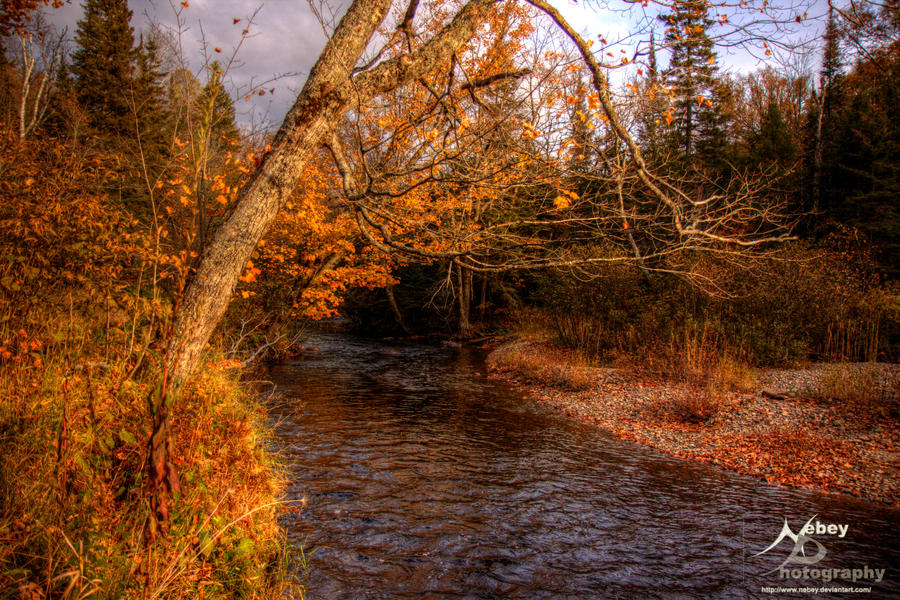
(284, 41)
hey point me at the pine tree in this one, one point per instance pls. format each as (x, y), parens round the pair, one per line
(103, 65)
(864, 161)
(147, 98)
(827, 120)
(697, 131)
(771, 142)
(217, 109)
(653, 104)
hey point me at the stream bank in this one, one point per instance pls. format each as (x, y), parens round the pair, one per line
(782, 431)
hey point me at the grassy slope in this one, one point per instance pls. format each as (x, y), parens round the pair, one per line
(73, 507)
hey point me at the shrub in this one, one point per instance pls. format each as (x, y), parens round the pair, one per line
(79, 337)
(694, 407)
(804, 301)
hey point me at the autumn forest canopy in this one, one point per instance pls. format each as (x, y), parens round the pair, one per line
(450, 168)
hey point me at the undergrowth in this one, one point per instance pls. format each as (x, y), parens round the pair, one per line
(73, 507)
(692, 407)
(86, 291)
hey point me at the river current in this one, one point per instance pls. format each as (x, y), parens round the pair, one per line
(423, 478)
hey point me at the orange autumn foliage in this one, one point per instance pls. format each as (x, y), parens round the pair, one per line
(62, 239)
(312, 255)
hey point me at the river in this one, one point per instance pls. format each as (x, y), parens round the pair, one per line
(426, 479)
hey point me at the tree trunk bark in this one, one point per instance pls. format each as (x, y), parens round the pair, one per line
(329, 92)
(464, 276)
(817, 156)
(323, 101)
(482, 304)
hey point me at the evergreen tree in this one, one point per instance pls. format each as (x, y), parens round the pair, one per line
(855, 143)
(697, 131)
(217, 109)
(147, 97)
(63, 104)
(652, 104)
(864, 185)
(827, 120)
(103, 65)
(771, 142)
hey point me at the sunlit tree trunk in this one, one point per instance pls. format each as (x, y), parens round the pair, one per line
(320, 105)
(318, 108)
(329, 92)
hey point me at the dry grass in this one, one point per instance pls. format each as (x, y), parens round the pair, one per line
(691, 407)
(72, 503)
(544, 364)
(861, 389)
(696, 358)
(527, 324)
(734, 375)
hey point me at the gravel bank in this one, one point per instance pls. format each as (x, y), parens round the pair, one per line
(787, 435)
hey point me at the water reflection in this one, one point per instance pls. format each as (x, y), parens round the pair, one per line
(427, 480)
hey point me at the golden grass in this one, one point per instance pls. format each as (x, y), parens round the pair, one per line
(696, 358)
(859, 388)
(73, 507)
(544, 364)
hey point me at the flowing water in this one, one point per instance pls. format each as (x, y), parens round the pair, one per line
(425, 479)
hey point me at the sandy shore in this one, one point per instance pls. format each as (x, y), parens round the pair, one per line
(782, 431)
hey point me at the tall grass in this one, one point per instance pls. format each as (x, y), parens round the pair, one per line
(546, 365)
(864, 390)
(73, 509)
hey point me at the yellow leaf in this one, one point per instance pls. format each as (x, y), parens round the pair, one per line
(561, 202)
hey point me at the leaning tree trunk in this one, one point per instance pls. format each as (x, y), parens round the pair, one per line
(323, 101)
(318, 108)
(329, 92)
